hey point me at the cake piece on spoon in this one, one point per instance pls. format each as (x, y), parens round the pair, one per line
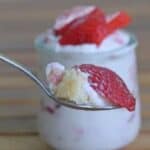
(89, 84)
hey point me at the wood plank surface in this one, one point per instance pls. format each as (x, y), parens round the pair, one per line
(20, 22)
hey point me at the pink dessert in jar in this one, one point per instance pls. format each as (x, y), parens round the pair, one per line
(85, 36)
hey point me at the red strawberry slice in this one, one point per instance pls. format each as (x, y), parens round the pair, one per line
(87, 29)
(96, 12)
(71, 14)
(109, 85)
(117, 21)
(91, 28)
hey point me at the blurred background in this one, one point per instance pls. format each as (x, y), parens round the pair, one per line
(21, 21)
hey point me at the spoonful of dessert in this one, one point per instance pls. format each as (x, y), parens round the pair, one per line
(84, 87)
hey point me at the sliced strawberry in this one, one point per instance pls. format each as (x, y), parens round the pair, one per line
(117, 21)
(96, 12)
(92, 33)
(91, 28)
(109, 85)
(71, 14)
(87, 29)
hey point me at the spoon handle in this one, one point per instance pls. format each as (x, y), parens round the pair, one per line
(27, 72)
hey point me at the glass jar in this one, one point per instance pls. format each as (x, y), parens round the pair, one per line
(69, 129)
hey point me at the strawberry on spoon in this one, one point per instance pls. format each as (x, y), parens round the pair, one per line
(109, 85)
(90, 85)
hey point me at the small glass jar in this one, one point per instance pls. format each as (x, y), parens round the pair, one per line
(69, 129)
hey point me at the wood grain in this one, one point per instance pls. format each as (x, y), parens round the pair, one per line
(20, 22)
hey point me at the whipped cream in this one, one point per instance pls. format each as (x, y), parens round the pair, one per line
(73, 85)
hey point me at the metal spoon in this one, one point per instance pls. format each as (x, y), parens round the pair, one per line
(43, 86)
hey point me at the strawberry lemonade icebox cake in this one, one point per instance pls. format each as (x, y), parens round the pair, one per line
(88, 59)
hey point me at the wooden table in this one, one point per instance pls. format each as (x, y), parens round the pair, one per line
(20, 22)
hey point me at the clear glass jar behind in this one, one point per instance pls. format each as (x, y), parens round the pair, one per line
(68, 129)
